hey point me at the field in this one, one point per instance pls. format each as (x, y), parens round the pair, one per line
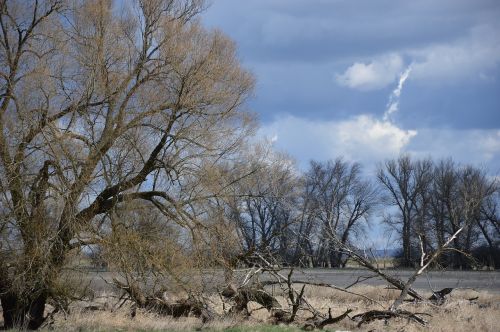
(457, 314)
(466, 309)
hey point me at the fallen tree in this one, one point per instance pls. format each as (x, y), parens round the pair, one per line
(369, 316)
(243, 295)
(426, 259)
(159, 304)
(296, 299)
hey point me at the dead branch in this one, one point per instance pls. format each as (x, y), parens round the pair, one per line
(280, 279)
(321, 284)
(396, 282)
(294, 300)
(439, 296)
(372, 315)
(159, 305)
(243, 295)
(320, 324)
(424, 264)
(358, 280)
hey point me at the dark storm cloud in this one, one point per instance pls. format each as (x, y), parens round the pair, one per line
(326, 69)
(275, 30)
(296, 49)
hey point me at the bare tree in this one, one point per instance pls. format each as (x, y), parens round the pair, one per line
(489, 224)
(264, 206)
(338, 203)
(103, 104)
(406, 182)
(473, 188)
(449, 210)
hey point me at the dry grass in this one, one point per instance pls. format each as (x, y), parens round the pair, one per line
(457, 314)
(120, 320)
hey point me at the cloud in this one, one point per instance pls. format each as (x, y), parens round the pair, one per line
(478, 146)
(393, 105)
(472, 56)
(475, 55)
(368, 140)
(321, 30)
(361, 138)
(372, 76)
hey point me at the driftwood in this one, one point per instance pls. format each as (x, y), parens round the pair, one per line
(255, 292)
(440, 296)
(372, 315)
(159, 305)
(316, 323)
(243, 295)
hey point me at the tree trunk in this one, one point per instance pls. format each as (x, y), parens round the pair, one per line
(23, 313)
(491, 262)
(338, 257)
(407, 261)
(457, 256)
(310, 261)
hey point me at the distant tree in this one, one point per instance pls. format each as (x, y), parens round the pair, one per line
(405, 183)
(476, 189)
(489, 225)
(339, 202)
(264, 207)
(435, 200)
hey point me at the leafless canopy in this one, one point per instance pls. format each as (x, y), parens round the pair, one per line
(103, 103)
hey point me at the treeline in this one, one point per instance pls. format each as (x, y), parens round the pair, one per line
(300, 217)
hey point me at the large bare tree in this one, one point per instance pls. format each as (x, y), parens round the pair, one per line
(449, 210)
(405, 183)
(101, 104)
(338, 203)
(263, 208)
(432, 201)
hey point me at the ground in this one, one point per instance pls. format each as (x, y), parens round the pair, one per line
(461, 312)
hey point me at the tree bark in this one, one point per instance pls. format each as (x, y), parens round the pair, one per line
(21, 312)
(407, 261)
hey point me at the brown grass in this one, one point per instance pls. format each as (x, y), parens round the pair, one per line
(457, 314)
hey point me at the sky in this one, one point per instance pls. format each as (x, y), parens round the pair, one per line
(368, 80)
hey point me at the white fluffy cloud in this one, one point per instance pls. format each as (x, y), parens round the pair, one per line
(373, 75)
(362, 138)
(369, 140)
(472, 56)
